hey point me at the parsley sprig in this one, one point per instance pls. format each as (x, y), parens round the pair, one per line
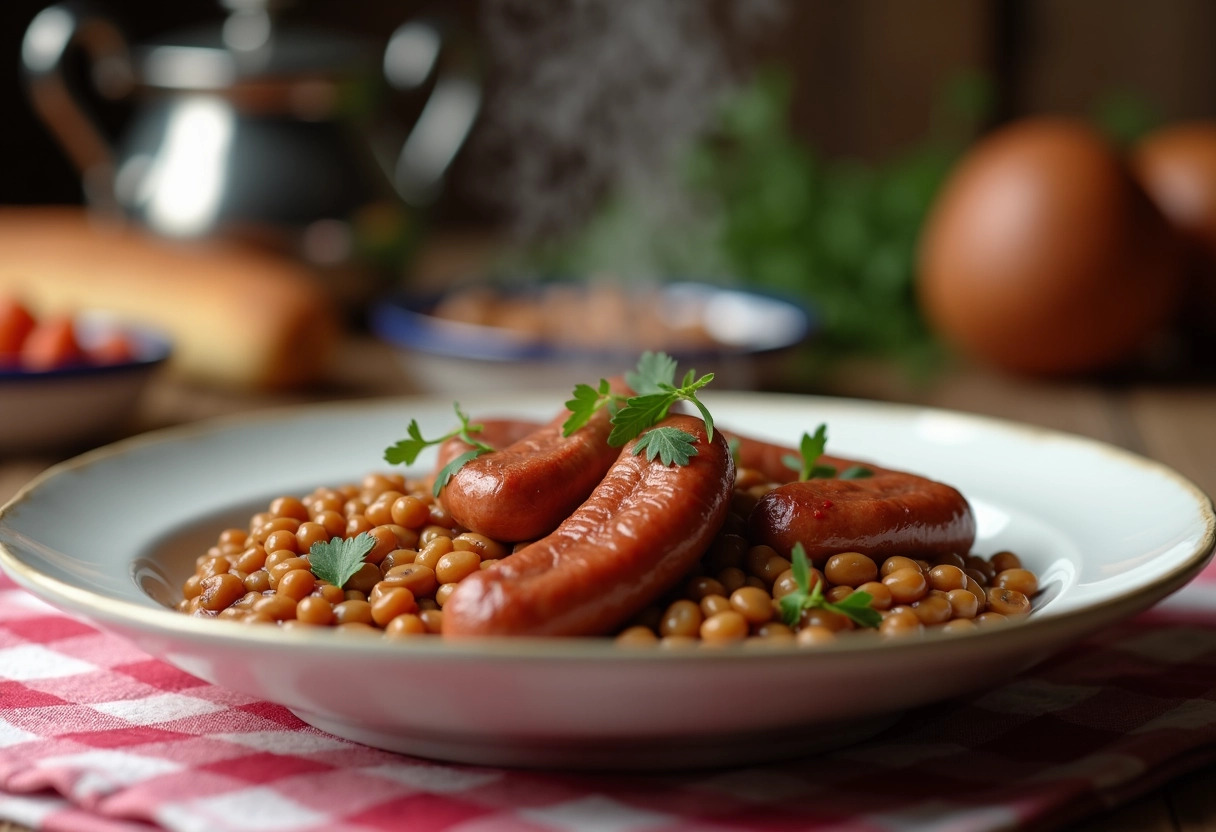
(340, 558)
(806, 463)
(642, 411)
(586, 401)
(655, 391)
(406, 451)
(855, 605)
(654, 383)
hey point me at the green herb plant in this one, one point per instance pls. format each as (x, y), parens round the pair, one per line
(654, 383)
(406, 451)
(340, 558)
(806, 463)
(855, 605)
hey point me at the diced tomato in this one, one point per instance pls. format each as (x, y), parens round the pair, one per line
(114, 348)
(52, 344)
(16, 323)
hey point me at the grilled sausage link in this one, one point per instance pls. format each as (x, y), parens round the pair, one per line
(524, 490)
(635, 537)
(890, 513)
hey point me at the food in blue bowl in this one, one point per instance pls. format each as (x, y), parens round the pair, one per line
(70, 380)
(557, 333)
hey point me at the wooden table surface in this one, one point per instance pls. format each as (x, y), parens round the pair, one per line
(1171, 421)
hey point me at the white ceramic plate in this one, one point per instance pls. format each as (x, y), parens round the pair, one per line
(111, 535)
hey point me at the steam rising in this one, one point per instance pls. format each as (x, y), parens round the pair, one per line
(592, 98)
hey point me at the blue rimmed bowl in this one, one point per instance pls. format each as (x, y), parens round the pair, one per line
(75, 406)
(742, 336)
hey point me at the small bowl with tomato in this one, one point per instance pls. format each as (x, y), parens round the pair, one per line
(70, 380)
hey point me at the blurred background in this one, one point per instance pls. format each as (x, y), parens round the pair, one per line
(868, 77)
(490, 181)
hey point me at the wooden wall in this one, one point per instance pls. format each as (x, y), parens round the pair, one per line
(869, 70)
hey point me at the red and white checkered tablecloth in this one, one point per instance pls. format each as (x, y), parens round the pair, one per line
(95, 736)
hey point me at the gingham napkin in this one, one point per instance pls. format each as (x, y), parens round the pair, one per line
(95, 736)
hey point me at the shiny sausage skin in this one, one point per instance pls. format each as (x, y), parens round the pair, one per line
(497, 433)
(891, 513)
(635, 537)
(524, 490)
(768, 458)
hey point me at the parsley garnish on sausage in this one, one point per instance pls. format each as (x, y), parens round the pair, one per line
(406, 450)
(654, 384)
(670, 445)
(653, 381)
(806, 463)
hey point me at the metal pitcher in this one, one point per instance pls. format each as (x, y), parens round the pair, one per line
(256, 128)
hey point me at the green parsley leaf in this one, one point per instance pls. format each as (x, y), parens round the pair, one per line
(793, 604)
(670, 445)
(340, 558)
(654, 370)
(810, 449)
(801, 567)
(655, 391)
(688, 392)
(406, 451)
(639, 413)
(806, 462)
(584, 404)
(791, 607)
(856, 605)
(445, 474)
(643, 411)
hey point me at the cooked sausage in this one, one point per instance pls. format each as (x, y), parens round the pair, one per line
(766, 457)
(891, 513)
(769, 458)
(636, 536)
(524, 490)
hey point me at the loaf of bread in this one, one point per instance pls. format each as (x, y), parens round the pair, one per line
(239, 316)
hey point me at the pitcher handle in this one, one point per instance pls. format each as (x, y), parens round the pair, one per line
(451, 109)
(50, 35)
